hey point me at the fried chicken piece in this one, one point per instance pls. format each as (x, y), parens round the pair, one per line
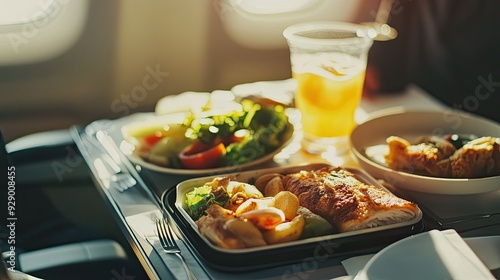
(212, 226)
(224, 229)
(347, 203)
(416, 157)
(477, 158)
(397, 158)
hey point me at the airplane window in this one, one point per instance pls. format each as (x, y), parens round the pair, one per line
(16, 12)
(259, 24)
(36, 30)
(273, 6)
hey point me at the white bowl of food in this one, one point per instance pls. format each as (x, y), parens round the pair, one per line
(391, 146)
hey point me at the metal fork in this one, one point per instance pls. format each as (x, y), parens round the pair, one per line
(166, 236)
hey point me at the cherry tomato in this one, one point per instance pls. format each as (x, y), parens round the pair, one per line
(232, 139)
(201, 156)
(152, 139)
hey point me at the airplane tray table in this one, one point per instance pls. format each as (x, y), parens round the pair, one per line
(155, 188)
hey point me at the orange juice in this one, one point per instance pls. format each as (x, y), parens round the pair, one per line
(328, 64)
(329, 88)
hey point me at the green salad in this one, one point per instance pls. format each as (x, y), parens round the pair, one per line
(199, 199)
(211, 140)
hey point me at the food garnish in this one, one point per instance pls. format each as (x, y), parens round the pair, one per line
(459, 140)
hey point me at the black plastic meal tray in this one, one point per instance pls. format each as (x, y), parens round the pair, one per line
(238, 262)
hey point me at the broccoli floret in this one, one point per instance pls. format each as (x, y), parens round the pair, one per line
(245, 151)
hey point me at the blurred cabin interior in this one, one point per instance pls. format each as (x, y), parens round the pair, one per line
(129, 54)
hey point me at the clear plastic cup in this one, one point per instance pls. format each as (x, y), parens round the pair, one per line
(328, 64)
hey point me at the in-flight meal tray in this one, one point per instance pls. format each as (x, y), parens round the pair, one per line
(319, 248)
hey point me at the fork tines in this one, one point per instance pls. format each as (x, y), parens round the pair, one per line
(166, 236)
(167, 240)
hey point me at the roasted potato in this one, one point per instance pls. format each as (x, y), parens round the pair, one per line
(262, 181)
(288, 203)
(273, 187)
(286, 231)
